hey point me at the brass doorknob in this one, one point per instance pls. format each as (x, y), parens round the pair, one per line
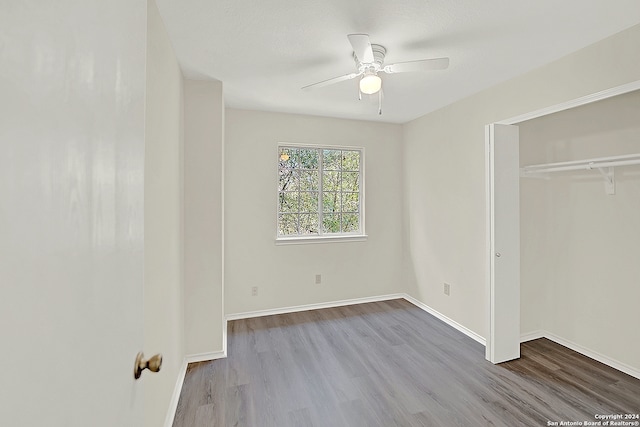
(153, 364)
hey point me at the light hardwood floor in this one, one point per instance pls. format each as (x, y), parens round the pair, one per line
(390, 364)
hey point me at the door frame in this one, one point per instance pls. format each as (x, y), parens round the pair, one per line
(489, 176)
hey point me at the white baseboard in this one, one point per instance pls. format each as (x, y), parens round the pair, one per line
(445, 319)
(224, 335)
(620, 366)
(305, 307)
(533, 335)
(203, 357)
(173, 404)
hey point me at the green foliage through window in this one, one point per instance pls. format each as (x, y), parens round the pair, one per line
(319, 191)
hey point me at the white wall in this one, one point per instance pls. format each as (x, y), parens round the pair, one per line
(285, 274)
(72, 87)
(163, 198)
(580, 246)
(444, 172)
(203, 216)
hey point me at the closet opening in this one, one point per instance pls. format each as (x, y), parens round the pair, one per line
(578, 205)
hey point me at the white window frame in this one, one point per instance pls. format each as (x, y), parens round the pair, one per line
(359, 235)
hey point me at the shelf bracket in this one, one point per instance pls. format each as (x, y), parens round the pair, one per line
(609, 179)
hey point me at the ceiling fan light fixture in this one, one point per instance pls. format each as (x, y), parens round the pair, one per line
(370, 84)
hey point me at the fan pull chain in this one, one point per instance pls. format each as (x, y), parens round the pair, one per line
(380, 102)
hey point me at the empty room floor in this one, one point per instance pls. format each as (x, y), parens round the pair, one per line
(391, 364)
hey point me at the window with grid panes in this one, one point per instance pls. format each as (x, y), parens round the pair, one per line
(319, 191)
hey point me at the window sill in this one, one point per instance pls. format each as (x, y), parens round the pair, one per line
(321, 239)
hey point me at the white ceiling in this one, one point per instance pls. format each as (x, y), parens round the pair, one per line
(264, 51)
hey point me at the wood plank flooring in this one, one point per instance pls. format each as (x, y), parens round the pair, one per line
(390, 364)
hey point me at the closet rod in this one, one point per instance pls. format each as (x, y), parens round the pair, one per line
(603, 162)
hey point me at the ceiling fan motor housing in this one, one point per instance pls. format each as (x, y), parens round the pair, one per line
(378, 59)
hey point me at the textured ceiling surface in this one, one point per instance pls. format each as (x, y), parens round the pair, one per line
(265, 51)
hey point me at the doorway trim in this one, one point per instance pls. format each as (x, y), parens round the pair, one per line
(489, 176)
(578, 102)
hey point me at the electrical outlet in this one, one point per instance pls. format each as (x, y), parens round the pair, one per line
(447, 289)
(318, 279)
(254, 291)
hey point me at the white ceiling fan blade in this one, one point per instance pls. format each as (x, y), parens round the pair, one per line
(420, 65)
(332, 81)
(361, 47)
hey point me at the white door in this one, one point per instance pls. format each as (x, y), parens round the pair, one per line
(71, 212)
(503, 257)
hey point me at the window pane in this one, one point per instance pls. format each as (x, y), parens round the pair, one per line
(350, 181)
(288, 180)
(286, 157)
(309, 201)
(288, 202)
(331, 223)
(350, 223)
(331, 181)
(350, 202)
(308, 223)
(330, 201)
(294, 161)
(309, 180)
(288, 224)
(331, 159)
(350, 160)
(308, 158)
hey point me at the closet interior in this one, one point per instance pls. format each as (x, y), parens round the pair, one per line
(580, 229)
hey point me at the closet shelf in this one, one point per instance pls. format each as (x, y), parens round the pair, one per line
(604, 165)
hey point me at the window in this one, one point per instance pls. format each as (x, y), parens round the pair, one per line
(320, 192)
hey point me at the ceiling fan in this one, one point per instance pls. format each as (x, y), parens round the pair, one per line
(369, 59)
